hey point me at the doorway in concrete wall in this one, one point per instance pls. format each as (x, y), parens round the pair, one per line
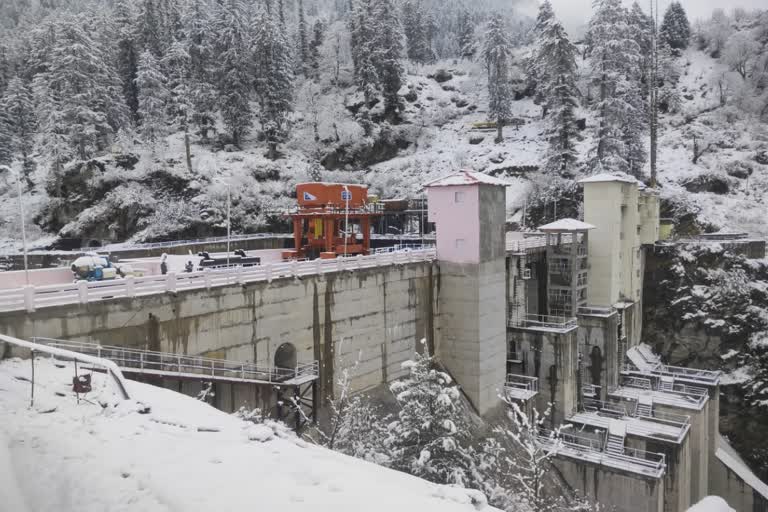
(285, 357)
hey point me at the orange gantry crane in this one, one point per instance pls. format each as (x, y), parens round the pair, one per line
(328, 219)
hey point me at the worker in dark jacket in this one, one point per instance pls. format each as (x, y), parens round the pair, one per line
(164, 264)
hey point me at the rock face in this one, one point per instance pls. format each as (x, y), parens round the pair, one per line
(714, 183)
(384, 146)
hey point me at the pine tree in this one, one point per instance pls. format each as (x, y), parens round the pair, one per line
(149, 28)
(274, 85)
(428, 438)
(178, 64)
(498, 58)
(641, 27)
(6, 138)
(233, 65)
(535, 67)
(80, 95)
(675, 29)
(303, 42)
(198, 37)
(127, 55)
(17, 106)
(153, 96)
(466, 35)
(614, 57)
(362, 47)
(417, 32)
(388, 45)
(558, 55)
(318, 37)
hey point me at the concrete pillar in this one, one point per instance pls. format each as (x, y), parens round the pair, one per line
(469, 210)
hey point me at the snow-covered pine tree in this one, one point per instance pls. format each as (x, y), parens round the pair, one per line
(362, 48)
(614, 57)
(641, 26)
(318, 37)
(466, 42)
(18, 109)
(675, 28)
(6, 139)
(148, 28)
(178, 65)
(558, 55)
(303, 36)
(387, 58)
(198, 37)
(79, 93)
(417, 33)
(153, 98)
(232, 69)
(274, 85)
(535, 68)
(497, 55)
(127, 54)
(428, 438)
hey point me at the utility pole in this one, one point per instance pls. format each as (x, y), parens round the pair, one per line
(653, 90)
(21, 219)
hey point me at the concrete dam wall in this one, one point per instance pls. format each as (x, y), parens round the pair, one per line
(368, 321)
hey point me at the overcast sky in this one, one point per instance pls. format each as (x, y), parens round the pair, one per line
(575, 13)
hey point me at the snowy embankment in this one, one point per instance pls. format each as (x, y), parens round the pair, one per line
(183, 455)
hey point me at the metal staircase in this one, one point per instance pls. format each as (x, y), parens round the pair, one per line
(666, 384)
(614, 442)
(645, 407)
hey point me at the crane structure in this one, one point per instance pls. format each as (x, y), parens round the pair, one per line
(328, 220)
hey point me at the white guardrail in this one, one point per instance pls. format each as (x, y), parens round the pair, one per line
(30, 298)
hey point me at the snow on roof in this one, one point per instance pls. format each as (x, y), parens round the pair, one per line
(566, 225)
(711, 504)
(735, 463)
(606, 177)
(466, 178)
(182, 455)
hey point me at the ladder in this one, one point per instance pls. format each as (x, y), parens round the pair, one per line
(614, 443)
(666, 384)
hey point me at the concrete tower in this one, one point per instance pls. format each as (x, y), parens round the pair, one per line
(469, 210)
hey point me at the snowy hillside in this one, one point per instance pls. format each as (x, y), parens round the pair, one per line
(183, 455)
(111, 163)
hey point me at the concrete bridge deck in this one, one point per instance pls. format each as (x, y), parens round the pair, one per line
(31, 298)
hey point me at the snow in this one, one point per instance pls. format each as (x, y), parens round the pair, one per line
(606, 178)
(182, 455)
(466, 178)
(735, 463)
(711, 504)
(566, 225)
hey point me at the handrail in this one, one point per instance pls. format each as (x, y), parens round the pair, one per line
(34, 297)
(146, 361)
(112, 369)
(545, 321)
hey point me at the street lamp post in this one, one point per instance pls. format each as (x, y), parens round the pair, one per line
(229, 220)
(346, 219)
(21, 220)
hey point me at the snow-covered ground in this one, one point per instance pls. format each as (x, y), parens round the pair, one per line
(103, 455)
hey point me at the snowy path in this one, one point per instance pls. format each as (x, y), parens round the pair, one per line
(87, 459)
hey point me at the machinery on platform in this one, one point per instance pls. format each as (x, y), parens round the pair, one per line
(93, 267)
(329, 218)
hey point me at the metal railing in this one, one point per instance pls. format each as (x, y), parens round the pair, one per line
(109, 366)
(175, 243)
(605, 408)
(521, 383)
(166, 363)
(542, 321)
(30, 298)
(693, 394)
(589, 448)
(596, 311)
